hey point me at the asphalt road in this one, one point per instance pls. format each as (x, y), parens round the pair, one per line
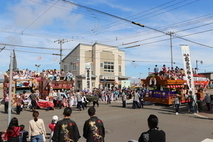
(123, 124)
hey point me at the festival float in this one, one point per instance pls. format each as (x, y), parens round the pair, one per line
(41, 85)
(162, 90)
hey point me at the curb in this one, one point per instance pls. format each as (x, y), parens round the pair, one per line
(202, 116)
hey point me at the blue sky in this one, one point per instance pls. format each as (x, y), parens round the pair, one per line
(38, 23)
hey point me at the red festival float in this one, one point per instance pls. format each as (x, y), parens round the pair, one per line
(162, 90)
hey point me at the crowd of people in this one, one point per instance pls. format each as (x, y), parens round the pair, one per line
(65, 130)
(50, 74)
(80, 99)
(169, 73)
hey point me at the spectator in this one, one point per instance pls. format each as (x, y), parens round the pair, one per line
(207, 100)
(36, 128)
(66, 129)
(13, 131)
(177, 104)
(153, 134)
(52, 126)
(6, 101)
(124, 99)
(23, 134)
(93, 130)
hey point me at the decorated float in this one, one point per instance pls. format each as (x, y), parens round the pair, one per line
(162, 90)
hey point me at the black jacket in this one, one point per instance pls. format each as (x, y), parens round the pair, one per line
(153, 135)
(66, 130)
(94, 130)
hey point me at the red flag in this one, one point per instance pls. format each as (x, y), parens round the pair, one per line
(55, 59)
(39, 58)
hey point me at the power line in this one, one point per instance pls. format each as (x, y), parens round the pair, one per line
(5, 44)
(135, 23)
(31, 24)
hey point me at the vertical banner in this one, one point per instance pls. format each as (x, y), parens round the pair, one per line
(88, 76)
(188, 67)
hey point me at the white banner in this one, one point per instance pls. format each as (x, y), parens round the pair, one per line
(188, 67)
(88, 76)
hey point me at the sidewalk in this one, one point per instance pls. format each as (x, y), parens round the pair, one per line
(205, 114)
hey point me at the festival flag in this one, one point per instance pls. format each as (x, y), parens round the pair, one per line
(55, 59)
(39, 58)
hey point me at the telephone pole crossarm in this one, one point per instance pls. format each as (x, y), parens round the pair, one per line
(61, 41)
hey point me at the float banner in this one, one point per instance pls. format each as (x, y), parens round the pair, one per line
(88, 76)
(188, 67)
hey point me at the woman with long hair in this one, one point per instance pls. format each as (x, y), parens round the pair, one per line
(36, 128)
(13, 131)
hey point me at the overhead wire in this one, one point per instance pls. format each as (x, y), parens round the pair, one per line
(87, 57)
(31, 23)
(153, 8)
(150, 13)
(46, 48)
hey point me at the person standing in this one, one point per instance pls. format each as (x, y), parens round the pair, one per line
(141, 100)
(176, 104)
(207, 100)
(84, 100)
(153, 134)
(36, 128)
(13, 131)
(124, 99)
(18, 102)
(66, 130)
(135, 100)
(96, 99)
(52, 126)
(79, 100)
(6, 102)
(156, 69)
(108, 94)
(93, 130)
(33, 97)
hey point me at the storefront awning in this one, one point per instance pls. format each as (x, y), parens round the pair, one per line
(123, 77)
(107, 76)
(83, 75)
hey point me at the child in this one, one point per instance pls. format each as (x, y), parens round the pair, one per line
(52, 126)
(23, 134)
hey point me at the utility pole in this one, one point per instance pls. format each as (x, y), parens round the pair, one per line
(61, 41)
(170, 34)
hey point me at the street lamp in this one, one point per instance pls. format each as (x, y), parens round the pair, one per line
(37, 67)
(198, 61)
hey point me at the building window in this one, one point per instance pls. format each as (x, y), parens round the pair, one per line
(101, 65)
(119, 68)
(108, 67)
(74, 66)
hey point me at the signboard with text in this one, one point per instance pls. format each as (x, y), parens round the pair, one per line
(188, 67)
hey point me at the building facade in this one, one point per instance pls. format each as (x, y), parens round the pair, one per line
(97, 65)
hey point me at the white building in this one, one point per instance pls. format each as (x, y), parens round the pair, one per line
(107, 65)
